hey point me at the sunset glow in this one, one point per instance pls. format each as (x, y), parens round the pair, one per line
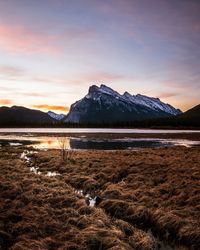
(52, 51)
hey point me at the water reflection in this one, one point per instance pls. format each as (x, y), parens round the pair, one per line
(129, 143)
(112, 144)
(15, 143)
(51, 142)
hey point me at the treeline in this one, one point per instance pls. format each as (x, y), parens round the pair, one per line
(27, 125)
(170, 122)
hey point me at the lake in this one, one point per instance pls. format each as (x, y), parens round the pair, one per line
(79, 138)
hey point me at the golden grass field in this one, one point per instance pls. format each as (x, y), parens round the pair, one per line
(148, 199)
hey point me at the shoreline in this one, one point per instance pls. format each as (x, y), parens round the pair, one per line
(184, 135)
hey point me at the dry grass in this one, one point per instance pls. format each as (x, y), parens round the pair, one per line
(156, 189)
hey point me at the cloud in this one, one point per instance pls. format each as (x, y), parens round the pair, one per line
(11, 71)
(5, 102)
(167, 95)
(83, 78)
(102, 76)
(17, 39)
(177, 22)
(47, 107)
(31, 94)
(99, 77)
(190, 84)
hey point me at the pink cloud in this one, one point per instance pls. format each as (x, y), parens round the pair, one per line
(83, 78)
(101, 77)
(182, 86)
(167, 95)
(17, 39)
(20, 39)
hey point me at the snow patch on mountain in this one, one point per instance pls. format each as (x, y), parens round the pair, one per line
(151, 102)
(55, 116)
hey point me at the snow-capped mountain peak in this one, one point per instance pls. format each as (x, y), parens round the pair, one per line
(108, 90)
(153, 103)
(102, 89)
(103, 104)
(127, 95)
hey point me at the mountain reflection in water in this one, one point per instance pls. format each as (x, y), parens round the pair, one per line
(112, 144)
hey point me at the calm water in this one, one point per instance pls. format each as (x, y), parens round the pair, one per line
(51, 142)
(94, 130)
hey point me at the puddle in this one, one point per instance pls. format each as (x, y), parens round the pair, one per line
(25, 156)
(35, 170)
(92, 202)
(15, 144)
(50, 174)
(89, 200)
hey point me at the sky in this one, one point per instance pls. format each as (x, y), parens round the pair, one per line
(51, 51)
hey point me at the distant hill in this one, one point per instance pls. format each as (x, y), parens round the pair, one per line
(190, 117)
(104, 105)
(18, 116)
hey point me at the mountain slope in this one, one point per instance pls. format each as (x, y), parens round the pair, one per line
(55, 116)
(23, 116)
(104, 105)
(190, 117)
(151, 102)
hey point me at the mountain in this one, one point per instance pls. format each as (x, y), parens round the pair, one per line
(55, 116)
(105, 105)
(23, 116)
(190, 117)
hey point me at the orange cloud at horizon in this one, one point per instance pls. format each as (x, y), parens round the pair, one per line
(5, 102)
(47, 107)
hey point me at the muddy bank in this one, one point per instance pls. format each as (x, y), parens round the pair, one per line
(143, 198)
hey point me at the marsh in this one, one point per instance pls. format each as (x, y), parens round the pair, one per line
(148, 199)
